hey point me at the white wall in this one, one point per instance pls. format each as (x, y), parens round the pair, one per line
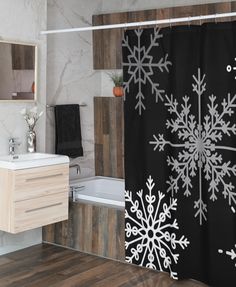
(22, 20)
(134, 5)
(71, 78)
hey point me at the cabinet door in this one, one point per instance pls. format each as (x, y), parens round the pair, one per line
(41, 181)
(40, 211)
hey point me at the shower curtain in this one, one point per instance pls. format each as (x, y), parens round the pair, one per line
(180, 150)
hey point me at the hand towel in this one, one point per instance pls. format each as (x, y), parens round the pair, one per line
(68, 130)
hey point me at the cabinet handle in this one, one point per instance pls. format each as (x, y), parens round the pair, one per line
(47, 206)
(44, 177)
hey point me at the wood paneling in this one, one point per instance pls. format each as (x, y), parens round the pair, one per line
(94, 229)
(23, 57)
(107, 43)
(48, 265)
(109, 136)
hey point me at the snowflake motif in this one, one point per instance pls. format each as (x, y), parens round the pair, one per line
(199, 146)
(153, 244)
(141, 66)
(231, 253)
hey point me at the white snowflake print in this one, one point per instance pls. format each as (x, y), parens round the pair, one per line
(199, 147)
(141, 66)
(231, 254)
(231, 68)
(154, 241)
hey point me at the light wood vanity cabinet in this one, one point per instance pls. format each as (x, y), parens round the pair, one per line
(34, 197)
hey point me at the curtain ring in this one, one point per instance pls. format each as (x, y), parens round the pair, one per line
(157, 26)
(189, 21)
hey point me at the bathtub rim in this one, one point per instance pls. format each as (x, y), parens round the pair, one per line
(73, 181)
(97, 200)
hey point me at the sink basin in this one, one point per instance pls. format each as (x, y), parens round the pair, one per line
(29, 160)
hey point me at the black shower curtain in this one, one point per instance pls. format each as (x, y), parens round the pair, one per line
(180, 150)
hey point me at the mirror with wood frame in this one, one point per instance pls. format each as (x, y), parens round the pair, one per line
(17, 71)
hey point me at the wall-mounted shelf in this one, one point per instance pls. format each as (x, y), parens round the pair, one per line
(23, 96)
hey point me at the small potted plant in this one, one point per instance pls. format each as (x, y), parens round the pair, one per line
(117, 79)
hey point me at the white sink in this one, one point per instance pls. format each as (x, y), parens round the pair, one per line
(29, 160)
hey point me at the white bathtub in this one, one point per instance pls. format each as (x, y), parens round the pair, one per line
(101, 190)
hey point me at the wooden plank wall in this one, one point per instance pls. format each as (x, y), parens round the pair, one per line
(107, 43)
(109, 136)
(23, 57)
(91, 228)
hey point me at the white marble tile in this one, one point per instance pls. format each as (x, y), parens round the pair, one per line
(22, 20)
(10, 243)
(71, 78)
(113, 6)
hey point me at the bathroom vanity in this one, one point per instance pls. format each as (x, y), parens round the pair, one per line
(33, 191)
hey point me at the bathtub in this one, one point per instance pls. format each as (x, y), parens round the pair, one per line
(100, 190)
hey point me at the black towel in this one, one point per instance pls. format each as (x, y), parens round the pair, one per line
(68, 130)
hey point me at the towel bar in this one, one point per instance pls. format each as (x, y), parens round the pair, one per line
(52, 106)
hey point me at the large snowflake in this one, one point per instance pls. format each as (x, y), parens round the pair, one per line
(153, 241)
(199, 144)
(142, 65)
(231, 253)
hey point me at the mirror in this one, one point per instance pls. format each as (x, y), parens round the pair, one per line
(17, 72)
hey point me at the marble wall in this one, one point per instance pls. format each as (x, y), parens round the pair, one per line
(70, 74)
(22, 20)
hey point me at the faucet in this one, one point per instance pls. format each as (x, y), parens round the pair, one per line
(12, 143)
(78, 169)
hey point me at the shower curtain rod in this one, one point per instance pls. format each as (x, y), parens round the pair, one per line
(144, 23)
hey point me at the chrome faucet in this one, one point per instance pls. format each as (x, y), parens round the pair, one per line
(12, 143)
(78, 169)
